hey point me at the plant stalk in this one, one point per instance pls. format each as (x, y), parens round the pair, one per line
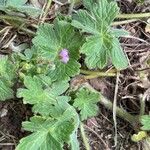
(133, 120)
(84, 137)
(13, 18)
(95, 74)
(133, 16)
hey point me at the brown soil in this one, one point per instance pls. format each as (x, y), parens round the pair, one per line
(12, 113)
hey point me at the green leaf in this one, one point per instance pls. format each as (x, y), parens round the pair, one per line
(145, 120)
(5, 90)
(98, 17)
(100, 44)
(117, 55)
(7, 69)
(83, 20)
(48, 137)
(51, 40)
(74, 142)
(29, 10)
(49, 133)
(39, 141)
(88, 4)
(86, 103)
(45, 97)
(7, 75)
(119, 32)
(2, 2)
(95, 51)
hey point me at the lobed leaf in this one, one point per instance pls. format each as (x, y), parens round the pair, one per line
(49, 133)
(51, 40)
(145, 120)
(100, 44)
(42, 95)
(7, 75)
(86, 103)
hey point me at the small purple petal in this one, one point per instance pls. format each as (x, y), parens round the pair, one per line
(64, 56)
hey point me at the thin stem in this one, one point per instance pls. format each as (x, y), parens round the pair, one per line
(84, 137)
(27, 31)
(133, 120)
(15, 18)
(142, 103)
(94, 74)
(46, 10)
(119, 111)
(137, 15)
(115, 107)
(90, 129)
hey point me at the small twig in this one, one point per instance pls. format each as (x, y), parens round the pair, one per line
(10, 41)
(71, 8)
(27, 31)
(46, 10)
(136, 38)
(106, 146)
(7, 144)
(85, 139)
(115, 107)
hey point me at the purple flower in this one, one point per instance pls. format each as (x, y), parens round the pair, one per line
(64, 56)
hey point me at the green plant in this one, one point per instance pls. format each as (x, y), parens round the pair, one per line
(102, 43)
(45, 72)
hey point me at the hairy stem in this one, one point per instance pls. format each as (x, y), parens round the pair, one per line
(94, 74)
(133, 120)
(142, 103)
(85, 139)
(13, 18)
(136, 15)
(120, 112)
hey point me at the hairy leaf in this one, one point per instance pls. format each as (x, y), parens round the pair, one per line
(51, 40)
(145, 120)
(101, 42)
(50, 133)
(96, 52)
(5, 90)
(7, 75)
(117, 55)
(45, 97)
(86, 103)
(48, 137)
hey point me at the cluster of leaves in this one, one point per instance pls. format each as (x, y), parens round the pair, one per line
(56, 121)
(103, 43)
(47, 67)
